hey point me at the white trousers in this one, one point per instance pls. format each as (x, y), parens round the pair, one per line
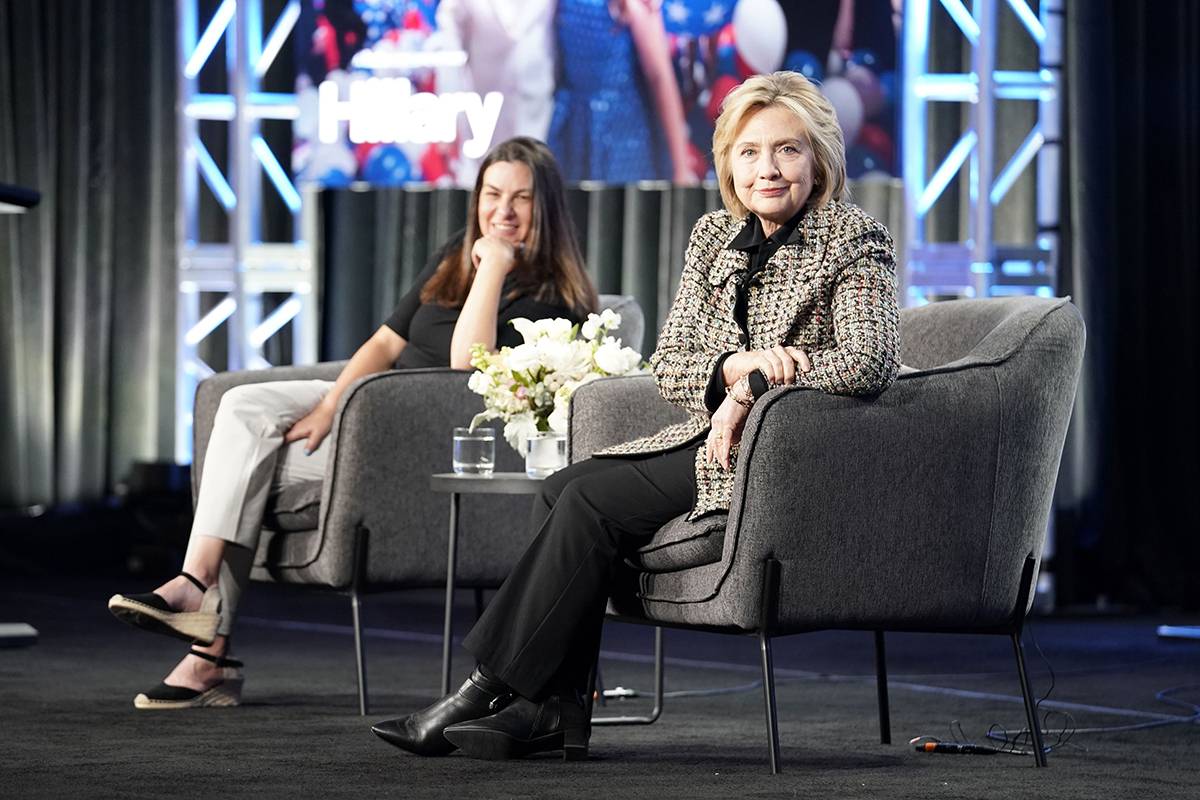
(245, 463)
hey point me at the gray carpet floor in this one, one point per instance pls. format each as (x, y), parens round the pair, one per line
(68, 727)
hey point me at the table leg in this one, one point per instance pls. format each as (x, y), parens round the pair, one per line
(451, 566)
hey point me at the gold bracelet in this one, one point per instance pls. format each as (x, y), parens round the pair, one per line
(740, 392)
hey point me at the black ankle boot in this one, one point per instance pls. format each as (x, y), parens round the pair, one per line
(421, 733)
(524, 727)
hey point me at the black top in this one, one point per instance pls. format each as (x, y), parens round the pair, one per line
(428, 327)
(759, 247)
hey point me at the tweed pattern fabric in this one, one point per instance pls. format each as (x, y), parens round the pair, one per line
(832, 294)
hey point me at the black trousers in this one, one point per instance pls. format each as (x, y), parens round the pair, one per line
(541, 632)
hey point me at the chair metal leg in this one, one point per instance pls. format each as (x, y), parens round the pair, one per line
(1035, 728)
(598, 684)
(451, 568)
(770, 599)
(359, 656)
(655, 712)
(768, 670)
(589, 698)
(881, 688)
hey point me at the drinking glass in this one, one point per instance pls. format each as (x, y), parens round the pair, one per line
(474, 451)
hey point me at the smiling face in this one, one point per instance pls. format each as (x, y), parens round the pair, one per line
(772, 165)
(506, 201)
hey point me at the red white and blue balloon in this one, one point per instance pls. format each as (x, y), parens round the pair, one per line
(696, 17)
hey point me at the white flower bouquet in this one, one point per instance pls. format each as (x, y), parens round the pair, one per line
(530, 386)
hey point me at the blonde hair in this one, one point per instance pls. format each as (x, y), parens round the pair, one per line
(796, 93)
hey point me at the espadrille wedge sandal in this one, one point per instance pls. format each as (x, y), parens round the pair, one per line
(225, 693)
(151, 612)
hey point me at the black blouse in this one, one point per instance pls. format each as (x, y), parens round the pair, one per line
(428, 327)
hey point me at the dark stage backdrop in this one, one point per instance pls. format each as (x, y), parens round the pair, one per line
(87, 279)
(1133, 178)
(87, 296)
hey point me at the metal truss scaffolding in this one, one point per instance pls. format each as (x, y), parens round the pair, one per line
(244, 267)
(978, 266)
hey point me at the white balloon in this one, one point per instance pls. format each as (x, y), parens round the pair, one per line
(847, 104)
(760, 34)
(868, 88)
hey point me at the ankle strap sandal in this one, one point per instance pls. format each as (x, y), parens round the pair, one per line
(227, 691)
(150, 611)
(220, 661)
(195, 581)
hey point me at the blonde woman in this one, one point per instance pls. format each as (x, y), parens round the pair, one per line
(788, 284)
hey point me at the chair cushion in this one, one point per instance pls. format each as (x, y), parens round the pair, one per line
(286, 551)
(681, 545)
(295, 508)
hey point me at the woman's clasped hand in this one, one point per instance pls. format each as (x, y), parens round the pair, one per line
(778, 365)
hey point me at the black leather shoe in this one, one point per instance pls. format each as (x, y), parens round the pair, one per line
(421, 733)
(525, 727)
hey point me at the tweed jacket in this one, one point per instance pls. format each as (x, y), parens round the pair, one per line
(832, 294)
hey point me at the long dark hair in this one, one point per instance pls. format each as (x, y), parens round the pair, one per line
(551, 267)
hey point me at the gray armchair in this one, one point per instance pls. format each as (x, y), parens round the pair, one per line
(922, 509)
(372, 524)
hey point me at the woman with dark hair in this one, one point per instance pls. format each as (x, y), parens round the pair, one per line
(518, 257)
(787, 284)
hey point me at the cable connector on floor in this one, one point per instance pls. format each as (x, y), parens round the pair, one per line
(932, 744)
(954, 747)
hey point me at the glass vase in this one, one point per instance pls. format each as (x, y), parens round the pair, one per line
(545, 453)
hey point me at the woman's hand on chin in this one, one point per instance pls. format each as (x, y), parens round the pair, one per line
(726, 432)
(495, 254)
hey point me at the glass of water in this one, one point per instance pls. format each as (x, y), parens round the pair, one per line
(474, 451)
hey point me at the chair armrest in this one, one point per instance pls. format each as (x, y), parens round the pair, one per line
(392, 431)
(211, 389)
(610, 411)
(879, 508)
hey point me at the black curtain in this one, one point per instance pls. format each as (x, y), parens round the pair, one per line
(1128, 530)
(87, 295)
